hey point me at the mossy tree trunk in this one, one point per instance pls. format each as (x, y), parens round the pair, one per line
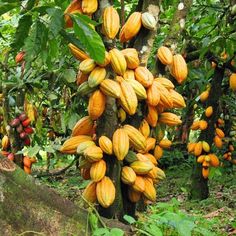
(199, 186)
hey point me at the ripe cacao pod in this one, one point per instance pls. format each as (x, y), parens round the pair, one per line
(77, 53)
(195, 125)
(204, 96)
(209, 111)
(80, 78)
(118, 61)
(152, 116)
(98, 170)
(151, 158)
(106, 192)
(89, 6)
(73, 8)
(198, 149)
(150, 191)
(131, 57)
(83, 126)
(20, 57)
(153, 95)
(110, 88)
(121, 115)
(203, 124)
(232, 81)
(220, 132)
(129, 75)
(148, 21)
(90, 192)
(158, 152)
(139, 184)
(131, 28)
(165, 96)
(141, 167)
(105, 144)
(177, 98)
(120, 142)
(169, 118)
(93, 153)
(214, 161)
(85, 173)
(138, 89)
(205, 146)
(165, 82)
(165, 143)
(218, 141)
(165, 55)
(144, 128)
(111, 22)
(97, 103)
(144, 76)
(27, 162)
(107, 60)
(97, 75)
(82, 146)
(205, 173)
(133, 195)
(128, 175)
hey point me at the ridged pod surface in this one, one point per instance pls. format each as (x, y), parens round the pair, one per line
(111, 22)
(169, 118)
(107, 60)
(105, 144)
(93, 153)
(97, 75)
(82, 146)
(89, 6)
(144, 76)
(179, 68)
(165, 82)
(131, 28)
(214, 161)
(110, 88)
(139, 184)
(152, 116)
(139, 90)
(106, 192)
(177, 98)
(198, 149)
(87, 65)
(83, 126)
(128, 98)
(148, 21)
(133, 195)
(141, 167)
(70, 145)
(202, 124)
(118, 61)
(98, 170)
(220, 132)
(218, 141)
(131, 57)
(78, 53)
(129, 75)
(144, 128)
(128, 175)
(165, 143)
(150, 191)
(90, 192)
(85, 89)
(5, 142)
(151, 158)
(165, 55)
(157, 173)
(97, 103)
(165, 96)
(153, 95)
(136, 138)
(232, 81)
(120, 143)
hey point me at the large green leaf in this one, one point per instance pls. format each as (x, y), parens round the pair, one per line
(22, 32)
(56, 20)
(5, 7)
(90, 39)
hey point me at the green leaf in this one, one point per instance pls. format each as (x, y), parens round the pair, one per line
(101, 232)
(5, 7)
(69, 75)
(56, 20)
(36, 41)
(116, 232)
(129, 219)
(22, 32)
(32, 151)
(90, 39)
(153, 230)
(93, 221)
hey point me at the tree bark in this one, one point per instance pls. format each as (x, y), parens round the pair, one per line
(199, 186)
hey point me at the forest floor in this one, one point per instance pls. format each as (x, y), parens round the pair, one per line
(213, 216)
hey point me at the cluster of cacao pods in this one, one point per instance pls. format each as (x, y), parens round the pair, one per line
(21, 124)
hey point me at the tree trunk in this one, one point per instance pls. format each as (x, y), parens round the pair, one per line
(199, 187)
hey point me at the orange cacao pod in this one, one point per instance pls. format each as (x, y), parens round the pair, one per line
(232, 81)
(220, 133)
(141, 167)
(152, 116)
(89, 6)
(133, 195)
(205, 173)
(93, 153)
(77, 53)
(107, 60)
(209, 111)
(128, 175)
(144, 76)
(118, 61)
(105, 144)
(169, 118)
(87, 65)
(178, 100)
(165, 143)
(139, 184)
(165, 55)
(98, 170)
(144, 128)
(90, 192)
(150, 191)
(158, 152)
(214, 161)
(110, 88)
(83, 126)
(97, 75)
(131, 57)
(218, 141)
(165, 82)
(153, 95)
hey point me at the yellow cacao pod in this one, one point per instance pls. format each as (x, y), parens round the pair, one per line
(139, 184)
(120, 142)
(97, 75)
(177, 98)
(203, 124)
(205, 173)
(232, 81)
(87, 65)
(165, 55)
(118, 61)
(83, 126)
(128, 98)
(144, 128)
(129, 75)
(106, 192)
(209, 111)
(70, 145)
(169, 118)
(5, 142)
(139, 90)
(90, 192)
(131, 57)
(165, 96)
(214, 161)
(82, 146)
(152, 116)
(110, 88)
(165, 143)
(195, 125)
(150, 191)
(205, 146)
(151, 158)
(128, 175)
(165, 82)
(89, 6)
(151, 142)
(158, 152)
(144, 76)
(201, 159)
(153, 95)
(141, 167)
(136, 138)
(98, 170)
(97, 102)
(73, 8)
(204, 96)
(93, 153)
(220, 132)
(156, 173)
(179, 68)
(218, 141)
(131, 28)
(133, 195)
(105, 144)
(121, 115)
(77, 53)
(198, 149)
(141, 157)
(191, 147)
(111, 22)
(148, 21)
(107, 60)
